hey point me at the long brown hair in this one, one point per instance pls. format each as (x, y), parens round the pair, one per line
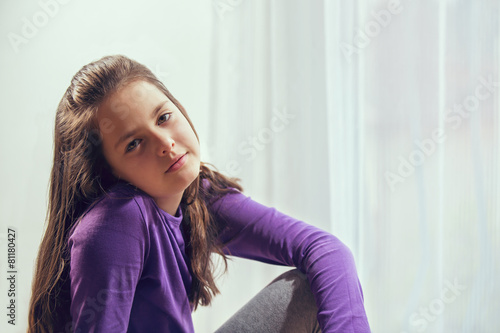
(80, 174)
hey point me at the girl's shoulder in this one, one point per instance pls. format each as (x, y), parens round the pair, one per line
(122, 198)
(121, 207)
(112, 226)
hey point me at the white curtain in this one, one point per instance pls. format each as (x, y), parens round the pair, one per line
(377, 121)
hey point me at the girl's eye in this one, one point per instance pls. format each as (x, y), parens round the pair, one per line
(163, 118)
(132, 145)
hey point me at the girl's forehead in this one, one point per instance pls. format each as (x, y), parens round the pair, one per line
(132, 97)
(134, 103)
(136, 92)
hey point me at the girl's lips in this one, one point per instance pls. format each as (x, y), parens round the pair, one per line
(178, 164)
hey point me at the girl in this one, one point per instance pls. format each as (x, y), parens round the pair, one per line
(135, 216)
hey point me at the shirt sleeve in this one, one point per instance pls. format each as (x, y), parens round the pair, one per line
(107, 252)
(254, 231)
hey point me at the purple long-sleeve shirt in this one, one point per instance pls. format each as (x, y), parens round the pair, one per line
(129, 271)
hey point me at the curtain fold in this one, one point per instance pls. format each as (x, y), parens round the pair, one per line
(377, 121)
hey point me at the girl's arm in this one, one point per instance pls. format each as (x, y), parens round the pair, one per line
(107, 256)
(262, 233)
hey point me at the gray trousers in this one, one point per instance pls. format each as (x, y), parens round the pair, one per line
(284, 305)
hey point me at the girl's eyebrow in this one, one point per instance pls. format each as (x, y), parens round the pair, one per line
(134, 131)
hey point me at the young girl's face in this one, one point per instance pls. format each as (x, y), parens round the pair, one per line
(148, 142)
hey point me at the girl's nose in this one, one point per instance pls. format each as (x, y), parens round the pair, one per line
(165, 145)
